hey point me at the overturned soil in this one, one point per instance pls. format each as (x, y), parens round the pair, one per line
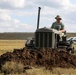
(47, 58)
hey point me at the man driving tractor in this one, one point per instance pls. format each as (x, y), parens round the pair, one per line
(58, 25)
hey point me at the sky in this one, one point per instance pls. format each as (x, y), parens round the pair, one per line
(21, 15)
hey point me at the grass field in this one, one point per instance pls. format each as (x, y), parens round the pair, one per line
(9, 45)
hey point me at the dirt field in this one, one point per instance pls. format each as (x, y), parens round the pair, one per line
(9, 45)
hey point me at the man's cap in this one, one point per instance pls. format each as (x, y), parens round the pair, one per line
(58, 17)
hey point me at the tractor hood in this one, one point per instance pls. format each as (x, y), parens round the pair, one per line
(44, 30)
(47, 30)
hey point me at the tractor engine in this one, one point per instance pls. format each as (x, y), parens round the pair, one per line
(45, 38)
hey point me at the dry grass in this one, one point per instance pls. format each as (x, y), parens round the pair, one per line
(43, 71)
(56, 71)
(9, 45)
(12, 67)
(75, 46)
(63, 71)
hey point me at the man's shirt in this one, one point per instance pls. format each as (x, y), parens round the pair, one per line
(58, 26)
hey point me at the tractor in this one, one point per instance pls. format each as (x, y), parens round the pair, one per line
(49, 38)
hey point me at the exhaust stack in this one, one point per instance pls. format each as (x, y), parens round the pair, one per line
(38, 17)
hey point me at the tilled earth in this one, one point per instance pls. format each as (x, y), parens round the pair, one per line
(47, 58)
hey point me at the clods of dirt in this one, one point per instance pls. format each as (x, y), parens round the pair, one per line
(47, 58)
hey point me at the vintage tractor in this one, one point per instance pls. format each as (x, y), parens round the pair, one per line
(49, 38)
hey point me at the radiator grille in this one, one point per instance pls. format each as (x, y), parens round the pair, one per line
(43, 39)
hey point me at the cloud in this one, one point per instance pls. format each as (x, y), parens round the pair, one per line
(12, 4)
(9, 24)
(14, 27)
(26, 13)
(5, 17)
(53, 3)
(20, 15)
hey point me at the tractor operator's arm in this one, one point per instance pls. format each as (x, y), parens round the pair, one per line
(62, 28)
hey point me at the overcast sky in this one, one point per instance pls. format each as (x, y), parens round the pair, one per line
(21, 15)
